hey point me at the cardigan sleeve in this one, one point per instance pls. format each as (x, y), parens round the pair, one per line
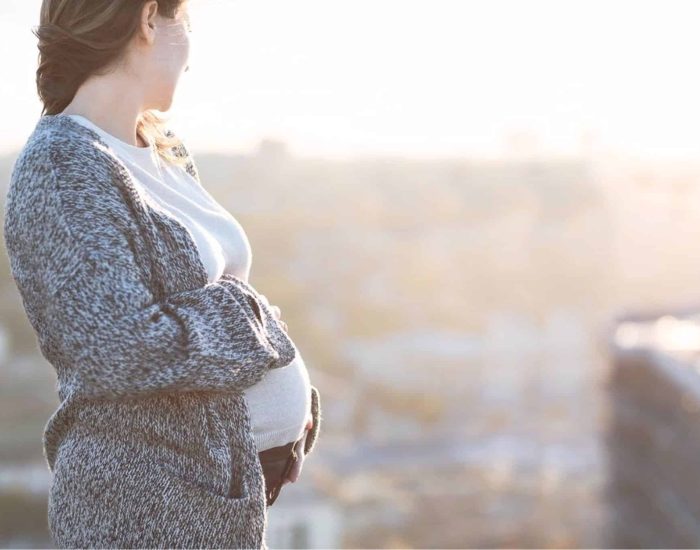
(312, 435)
(72, 257)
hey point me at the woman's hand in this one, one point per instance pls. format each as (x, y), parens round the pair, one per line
(295, 472)
(276, 311)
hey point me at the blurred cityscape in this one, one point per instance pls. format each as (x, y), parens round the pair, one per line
(651, 437)
(455, 316)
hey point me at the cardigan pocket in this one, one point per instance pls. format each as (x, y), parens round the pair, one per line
(228, 485)
(244, 470)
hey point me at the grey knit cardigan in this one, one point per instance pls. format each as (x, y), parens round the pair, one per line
(152, 444)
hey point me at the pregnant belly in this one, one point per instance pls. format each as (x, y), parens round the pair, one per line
(280, 404)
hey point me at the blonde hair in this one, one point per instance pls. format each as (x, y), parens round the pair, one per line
(79, 38)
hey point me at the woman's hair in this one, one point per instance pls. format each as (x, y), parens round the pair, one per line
(80, 38)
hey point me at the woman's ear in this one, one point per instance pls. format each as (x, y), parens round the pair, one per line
(149, 13)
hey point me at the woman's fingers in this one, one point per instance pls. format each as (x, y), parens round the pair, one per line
(277, 311)
(293, 474)
(295, 471)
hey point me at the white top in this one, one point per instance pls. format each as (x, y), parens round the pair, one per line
(280, 403)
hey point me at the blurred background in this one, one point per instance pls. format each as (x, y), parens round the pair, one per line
(479, 220)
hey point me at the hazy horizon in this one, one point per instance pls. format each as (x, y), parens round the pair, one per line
(438, 78)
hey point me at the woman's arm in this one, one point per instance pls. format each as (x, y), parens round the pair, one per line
(73, 261)
(272, 311)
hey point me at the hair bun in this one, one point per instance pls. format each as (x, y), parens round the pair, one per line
(51, 33)
(47, 31)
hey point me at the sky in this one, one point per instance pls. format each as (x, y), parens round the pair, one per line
(337, 78)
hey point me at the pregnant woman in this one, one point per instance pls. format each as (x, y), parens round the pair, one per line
(184, 404)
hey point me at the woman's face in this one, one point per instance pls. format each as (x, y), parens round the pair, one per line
(163, 54)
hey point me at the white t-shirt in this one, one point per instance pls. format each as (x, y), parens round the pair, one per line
(280, 403)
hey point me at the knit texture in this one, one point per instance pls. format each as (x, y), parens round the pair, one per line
(152, 444)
